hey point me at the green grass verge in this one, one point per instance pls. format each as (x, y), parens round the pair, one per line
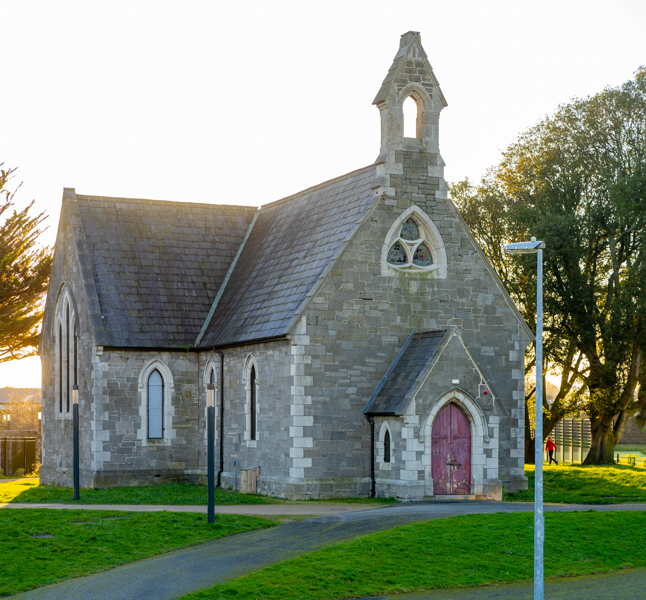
(633, 449)
(29, 491)
(607, 484)
(459, 551)
(39, 547)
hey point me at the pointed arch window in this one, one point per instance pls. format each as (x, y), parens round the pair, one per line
(60, 367)
(414, 243)
(66, 348)
(411, 249)
(68, 357)
(387, 447)
(155, 405)
(252, 408)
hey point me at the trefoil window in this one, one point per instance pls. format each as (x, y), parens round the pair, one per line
(411, 249)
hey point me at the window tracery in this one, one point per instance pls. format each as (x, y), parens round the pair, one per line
(414, 244)
(411, 248)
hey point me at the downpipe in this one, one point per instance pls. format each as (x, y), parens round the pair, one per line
(219, 481)
(372, 457)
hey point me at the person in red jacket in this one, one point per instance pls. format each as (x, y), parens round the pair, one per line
(550, 446)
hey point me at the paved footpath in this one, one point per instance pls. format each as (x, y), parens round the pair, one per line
(314, 509)
(170, 576)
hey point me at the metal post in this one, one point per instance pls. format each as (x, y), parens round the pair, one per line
(210, 417)
(75, 416)
(539, 521)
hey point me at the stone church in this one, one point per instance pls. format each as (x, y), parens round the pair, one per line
(359, 341)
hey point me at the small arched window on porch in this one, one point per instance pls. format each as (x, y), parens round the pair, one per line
(387, 447)
(252, 408)
(155, 405)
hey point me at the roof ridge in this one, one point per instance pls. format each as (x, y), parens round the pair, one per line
(318, 186)
(150, 200)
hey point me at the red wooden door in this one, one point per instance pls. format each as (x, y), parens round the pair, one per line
(451, 452)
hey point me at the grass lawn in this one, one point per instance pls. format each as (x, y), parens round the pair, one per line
(39, 547)
(29, 490)
(459, 551)
(607, 484)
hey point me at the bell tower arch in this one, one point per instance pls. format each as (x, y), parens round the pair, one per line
(410, 76)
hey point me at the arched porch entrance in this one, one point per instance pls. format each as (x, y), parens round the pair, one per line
(451, 451)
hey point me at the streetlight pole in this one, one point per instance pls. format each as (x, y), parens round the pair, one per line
(75, 420)
(534, 247)
(210, 439)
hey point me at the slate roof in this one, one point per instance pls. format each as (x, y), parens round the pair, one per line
(390, 396)
(290, 246)
(157, 266)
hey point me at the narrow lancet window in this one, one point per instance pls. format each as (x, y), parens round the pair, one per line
(60, 367)
(75, 356)
(387, 447)
(252, 408)
(68, 357)
(155, 405)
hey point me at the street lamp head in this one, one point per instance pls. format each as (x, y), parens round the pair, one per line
(75, 394)
(210, 395)
(531, 247)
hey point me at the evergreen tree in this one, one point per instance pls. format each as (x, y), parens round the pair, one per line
(24, 273)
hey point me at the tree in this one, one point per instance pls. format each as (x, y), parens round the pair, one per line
(24, 273)
(578, 181)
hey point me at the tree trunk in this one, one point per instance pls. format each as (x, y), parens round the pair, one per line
(603, 441)
(605, 429)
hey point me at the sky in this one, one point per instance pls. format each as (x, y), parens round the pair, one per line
(249, 102)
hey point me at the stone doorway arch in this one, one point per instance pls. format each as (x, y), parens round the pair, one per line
(451, 451)
(479, 437)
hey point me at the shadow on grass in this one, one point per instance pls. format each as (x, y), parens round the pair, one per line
(170, 493)
(605, 484)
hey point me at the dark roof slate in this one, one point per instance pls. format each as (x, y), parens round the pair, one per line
(158, 265)
(390, 396)
(290, 246)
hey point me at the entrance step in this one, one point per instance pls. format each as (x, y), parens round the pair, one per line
(450, 497)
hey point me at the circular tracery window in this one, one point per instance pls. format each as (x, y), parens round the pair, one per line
(411, 249)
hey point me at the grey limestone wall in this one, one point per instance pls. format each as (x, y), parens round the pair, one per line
(65, 280)
(360, 318)
(123, 454)
(271, 449)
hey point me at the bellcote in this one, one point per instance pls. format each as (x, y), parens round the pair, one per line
(410, 75)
